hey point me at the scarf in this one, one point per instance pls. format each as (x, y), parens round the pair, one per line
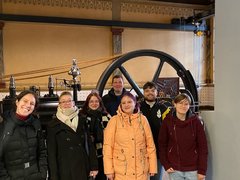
(95, 113)
(68, 116)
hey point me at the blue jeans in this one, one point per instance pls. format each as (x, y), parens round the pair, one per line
(183, 175)
(158, 176)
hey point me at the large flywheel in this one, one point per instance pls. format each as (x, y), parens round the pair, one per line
(185, 75)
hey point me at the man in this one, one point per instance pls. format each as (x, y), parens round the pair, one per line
(155, 113)
(112, 100)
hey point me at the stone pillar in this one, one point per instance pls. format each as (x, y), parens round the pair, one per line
(116, 32)
(117, 40)
(2, 83)
(117, 44)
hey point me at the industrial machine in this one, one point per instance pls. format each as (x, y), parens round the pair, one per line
(48, 103)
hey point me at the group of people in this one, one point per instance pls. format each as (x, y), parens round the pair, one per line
(113, 137)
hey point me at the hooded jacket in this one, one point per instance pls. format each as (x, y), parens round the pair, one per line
(183, 144)
(129, 151)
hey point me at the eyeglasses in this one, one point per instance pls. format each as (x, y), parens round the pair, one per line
(66, 102)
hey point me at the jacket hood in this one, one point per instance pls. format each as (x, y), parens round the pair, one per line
(189, 118)
(126, 116)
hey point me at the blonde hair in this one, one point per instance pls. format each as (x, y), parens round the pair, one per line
(64, 93)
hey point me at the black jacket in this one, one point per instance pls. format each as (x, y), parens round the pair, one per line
(22, 149)
(96, 122)
(155, 117)
(67, 152)
(111, 101)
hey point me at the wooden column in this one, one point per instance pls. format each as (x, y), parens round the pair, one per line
(116, 10)
(210, 53)
(2, 83)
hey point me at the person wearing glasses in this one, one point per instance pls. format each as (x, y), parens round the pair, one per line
(71, 153)
(96, 117)
(183, 147)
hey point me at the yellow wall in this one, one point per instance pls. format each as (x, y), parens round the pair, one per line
(33, 46)
(172, 42)
(37, 46)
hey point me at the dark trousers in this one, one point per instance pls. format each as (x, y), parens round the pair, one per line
(100, 175)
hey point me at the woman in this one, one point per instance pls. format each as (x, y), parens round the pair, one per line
(182, 143)
(94, 114)
(71, 154)
(22, 147)
(129, 151)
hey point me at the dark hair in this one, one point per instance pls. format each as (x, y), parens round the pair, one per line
(85, 107)
(26, 92)
(130, 95)
(116, 77)
(150, 85)
(181, 97)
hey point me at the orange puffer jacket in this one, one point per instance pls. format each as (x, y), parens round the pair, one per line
(129, 151)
